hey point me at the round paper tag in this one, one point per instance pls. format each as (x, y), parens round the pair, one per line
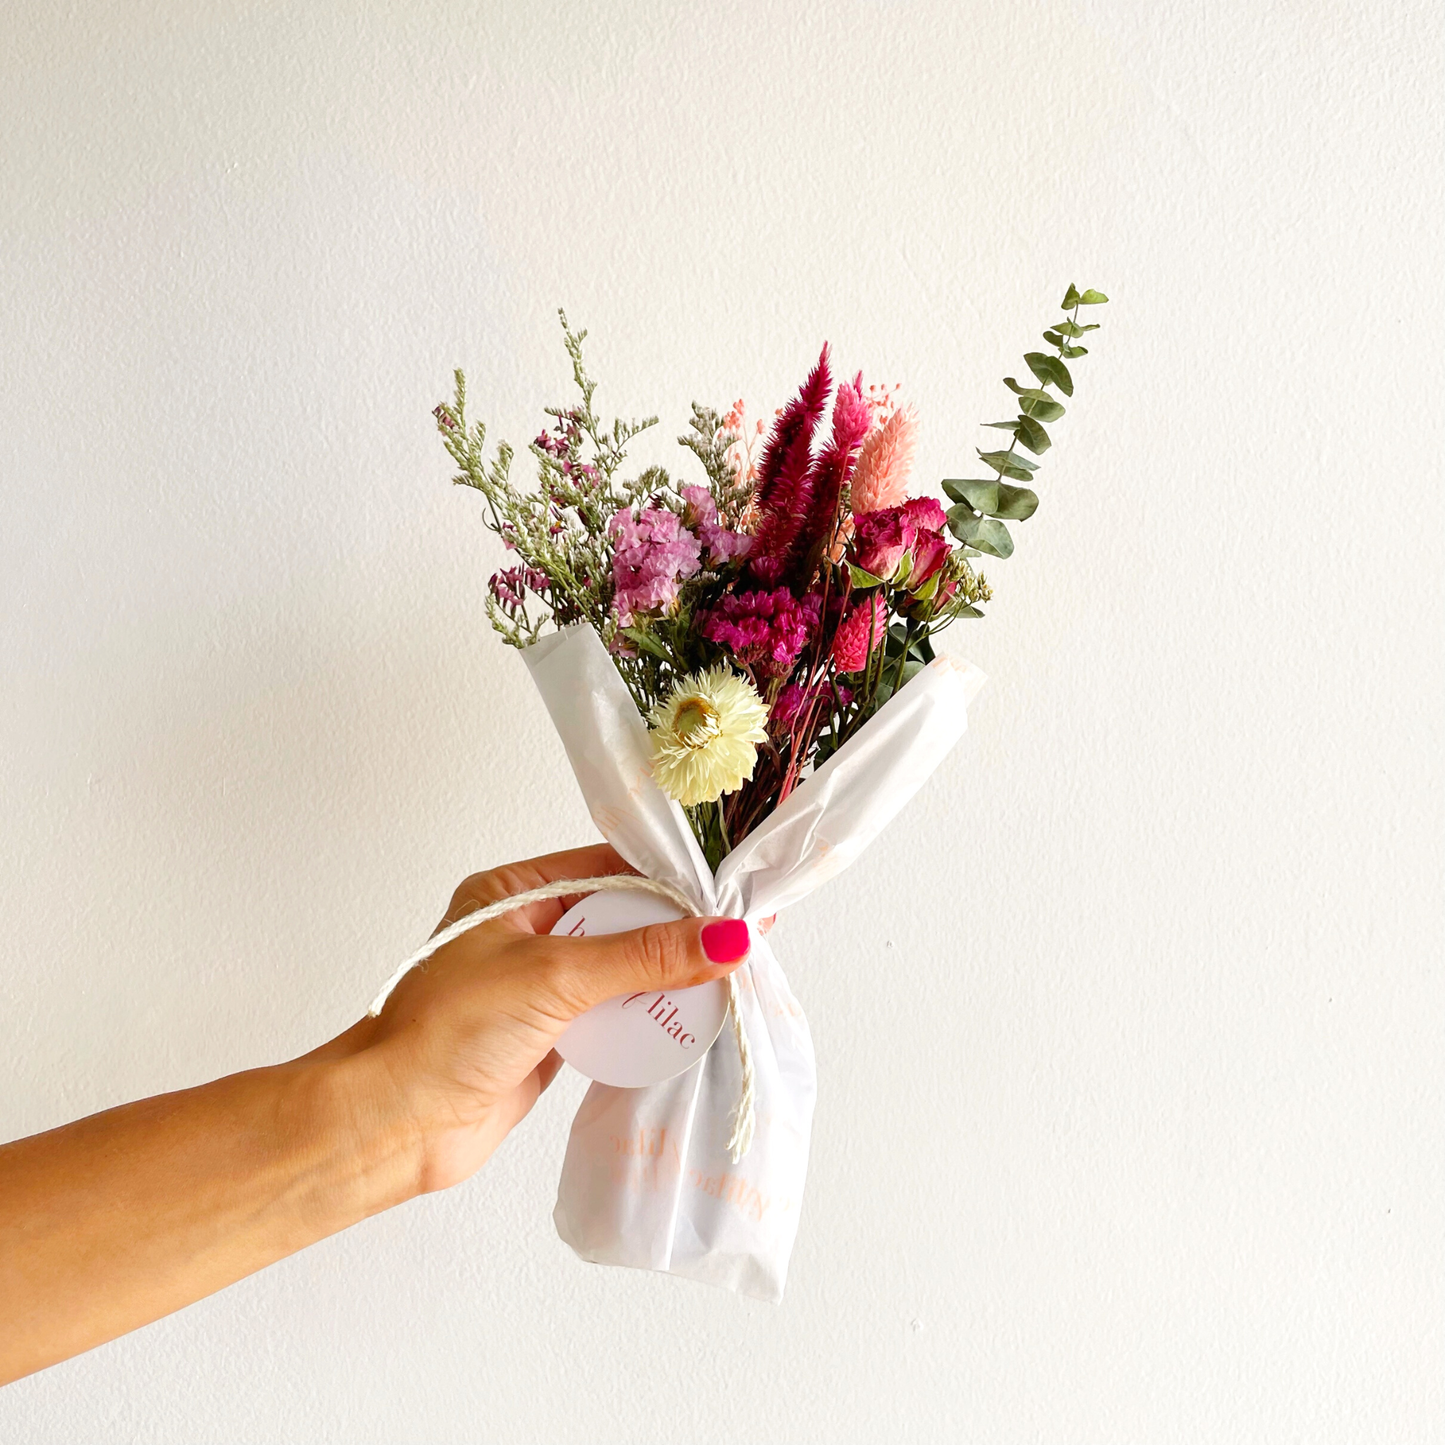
(640, 1038)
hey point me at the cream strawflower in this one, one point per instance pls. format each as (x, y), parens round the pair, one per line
(705, 736)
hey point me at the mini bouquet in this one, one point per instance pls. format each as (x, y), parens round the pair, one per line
(740, 666)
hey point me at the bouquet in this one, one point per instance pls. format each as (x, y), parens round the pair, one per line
(740, 664)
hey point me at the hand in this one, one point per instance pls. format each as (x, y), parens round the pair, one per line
(463, 1047)
(117, 1219)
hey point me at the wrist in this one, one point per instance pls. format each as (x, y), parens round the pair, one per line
(364, 1143)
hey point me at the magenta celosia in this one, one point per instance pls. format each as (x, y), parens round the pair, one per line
(833, 469)
(785, 476)
(652, 554)
(722, 545)
(860, 633)
(764, 629)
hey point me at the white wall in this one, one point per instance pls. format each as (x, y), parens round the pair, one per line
(1129, 1031)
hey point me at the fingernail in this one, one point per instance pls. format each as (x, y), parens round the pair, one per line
(725, 941)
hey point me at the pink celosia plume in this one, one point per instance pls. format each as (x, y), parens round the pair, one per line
(885, 464)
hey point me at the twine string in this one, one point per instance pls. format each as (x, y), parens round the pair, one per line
(744, 1114)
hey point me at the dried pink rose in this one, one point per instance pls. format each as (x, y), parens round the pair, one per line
(653, 554)
(901, 545)
(925, 518)
(878, 543)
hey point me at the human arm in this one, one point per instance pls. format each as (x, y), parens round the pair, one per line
(120, 1218)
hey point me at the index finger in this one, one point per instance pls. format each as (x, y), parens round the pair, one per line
(481, 889)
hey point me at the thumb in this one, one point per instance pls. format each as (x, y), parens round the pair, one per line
(588, 970)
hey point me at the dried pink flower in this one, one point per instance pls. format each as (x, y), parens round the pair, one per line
(885, 463)
(652, 554)
(785, 476)
(864, 624)
(722, 545)
(764, 629)
(796, 696)
(747, 430)
(834, 467)
(511, 585)
(903, 545)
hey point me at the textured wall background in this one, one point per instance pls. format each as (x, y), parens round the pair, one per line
(1133, 1132)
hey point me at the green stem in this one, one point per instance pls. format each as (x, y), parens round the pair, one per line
(903, 656)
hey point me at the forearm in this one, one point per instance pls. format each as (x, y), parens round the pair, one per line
(118, 1219)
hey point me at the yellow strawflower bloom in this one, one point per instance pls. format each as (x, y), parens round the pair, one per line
(705, 736)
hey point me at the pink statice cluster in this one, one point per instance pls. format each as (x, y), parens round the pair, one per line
(723, 546)
(652, 554)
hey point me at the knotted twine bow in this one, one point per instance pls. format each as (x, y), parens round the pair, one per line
(741, 1137)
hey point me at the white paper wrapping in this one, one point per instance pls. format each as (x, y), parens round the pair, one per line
(647, 1181)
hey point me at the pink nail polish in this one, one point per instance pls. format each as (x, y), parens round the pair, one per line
(726, 941)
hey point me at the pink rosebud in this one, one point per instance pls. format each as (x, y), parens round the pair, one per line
(879, 543)
(902, 545)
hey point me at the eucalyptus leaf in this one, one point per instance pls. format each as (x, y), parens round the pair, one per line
(1012, 426)
(1071, 298)
(984, 533)
(1046, 410)
(993, 537)
(1068, 329)
(1017, 504)
(1072, 351)
(1010, 464)
(1051, 371)
(968, 612)
(1092, 298)
(1053, 338)
(1028, 393)
(981, 495)
(1032, 435)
